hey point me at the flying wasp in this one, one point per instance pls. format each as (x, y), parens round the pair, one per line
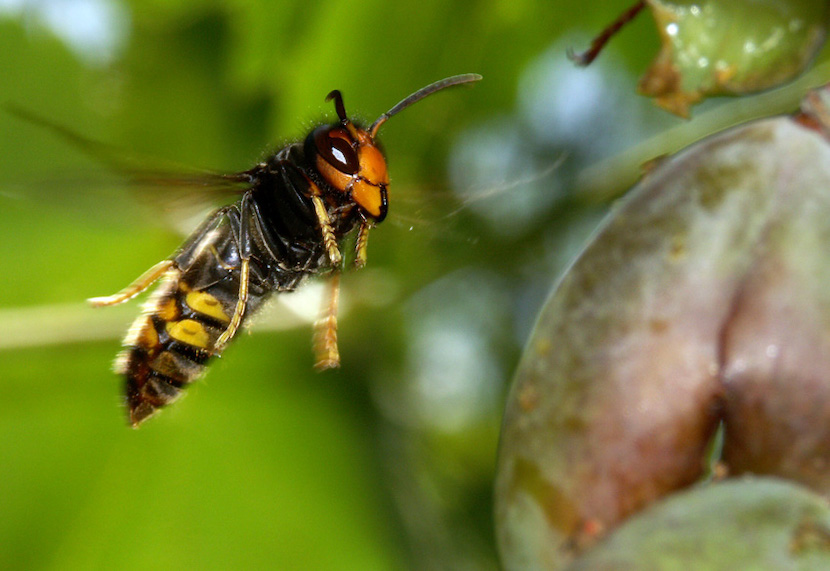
(295, 210)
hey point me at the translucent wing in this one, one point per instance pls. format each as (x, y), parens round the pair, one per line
(172, 193)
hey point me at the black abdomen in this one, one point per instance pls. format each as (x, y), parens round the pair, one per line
(170, 344)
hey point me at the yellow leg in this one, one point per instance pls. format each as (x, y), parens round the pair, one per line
(239, 311)
(143, 282)
(361, 244)
(329, 241)
(325, 329)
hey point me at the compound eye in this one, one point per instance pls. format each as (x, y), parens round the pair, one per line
(335, 147)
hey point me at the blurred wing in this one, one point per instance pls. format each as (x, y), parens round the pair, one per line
(170, 193)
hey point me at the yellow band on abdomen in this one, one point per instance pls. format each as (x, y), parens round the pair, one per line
(189, 331)
(204, 303)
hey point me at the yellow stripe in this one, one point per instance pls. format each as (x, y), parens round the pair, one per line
(189, 331)
(204, 303)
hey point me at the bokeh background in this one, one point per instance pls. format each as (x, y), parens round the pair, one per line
(388, 462)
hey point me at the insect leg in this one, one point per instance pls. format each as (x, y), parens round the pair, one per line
(182, 258)
(361, 243)
(143, 282)
(325, 328)
(239, 311)
(246, 213)
(329, 241)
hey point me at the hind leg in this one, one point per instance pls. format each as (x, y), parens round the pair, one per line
(325, 329)
(143, 282)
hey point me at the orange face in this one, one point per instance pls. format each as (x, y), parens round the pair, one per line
(347, 157)
(351, 162)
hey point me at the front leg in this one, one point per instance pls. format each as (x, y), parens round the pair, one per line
(361, 243)
(329, 241)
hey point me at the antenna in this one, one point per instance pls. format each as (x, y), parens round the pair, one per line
(417, 96)
(338, 105)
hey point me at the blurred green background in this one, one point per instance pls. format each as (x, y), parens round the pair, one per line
(388, 462)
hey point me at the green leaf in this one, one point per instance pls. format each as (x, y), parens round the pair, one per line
(730, 48)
